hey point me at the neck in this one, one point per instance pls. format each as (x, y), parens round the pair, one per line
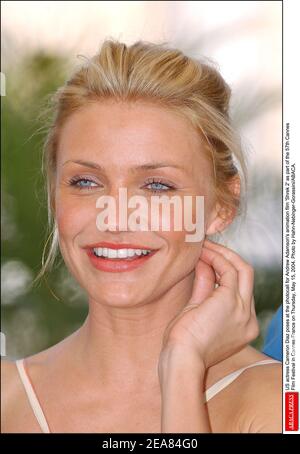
(125, 343)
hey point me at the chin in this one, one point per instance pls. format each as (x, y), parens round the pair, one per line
(119, 294)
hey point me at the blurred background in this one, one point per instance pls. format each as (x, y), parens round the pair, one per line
(40, 44)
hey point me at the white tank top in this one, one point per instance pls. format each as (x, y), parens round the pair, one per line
(40, 415)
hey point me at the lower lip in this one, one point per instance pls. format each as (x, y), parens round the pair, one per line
(118, 265)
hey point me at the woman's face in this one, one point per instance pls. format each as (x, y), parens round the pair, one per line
(116, 144)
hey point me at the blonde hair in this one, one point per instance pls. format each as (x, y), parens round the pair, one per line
(158, 74)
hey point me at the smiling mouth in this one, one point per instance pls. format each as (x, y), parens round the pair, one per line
(121, 254)
(116, 257)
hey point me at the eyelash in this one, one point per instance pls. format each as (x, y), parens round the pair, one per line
(74, 182)
(169, 186)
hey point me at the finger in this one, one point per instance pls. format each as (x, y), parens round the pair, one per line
(204, 285)
(253, 322)
(228, 274)
(245, 270)
(252, 307)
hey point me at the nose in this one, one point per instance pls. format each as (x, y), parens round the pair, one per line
(116, 211)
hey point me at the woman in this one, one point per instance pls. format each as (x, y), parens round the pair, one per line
(165, 345)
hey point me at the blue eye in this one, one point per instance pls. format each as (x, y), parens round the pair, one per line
(82, 183)
(87, 183)
(159, 186)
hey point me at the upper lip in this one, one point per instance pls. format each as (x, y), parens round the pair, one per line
(105, 244)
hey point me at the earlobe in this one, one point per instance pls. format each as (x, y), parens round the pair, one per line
(222, 219)
(223, 215)
(216, 226)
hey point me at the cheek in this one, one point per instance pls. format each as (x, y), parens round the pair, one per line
(181, 258)
(73, 215)
(185, 245)
(180, 250)
(185, 221)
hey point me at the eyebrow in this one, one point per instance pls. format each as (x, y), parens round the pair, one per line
(149, 166)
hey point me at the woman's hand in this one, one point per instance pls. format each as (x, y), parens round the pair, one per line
(219, 320)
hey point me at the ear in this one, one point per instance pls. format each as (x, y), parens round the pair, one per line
(222, 216)
(220, 219)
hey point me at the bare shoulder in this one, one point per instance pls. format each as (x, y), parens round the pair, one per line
(9, 378)
(10, 393)
(252, 402)
(17, 415)
(260, 403)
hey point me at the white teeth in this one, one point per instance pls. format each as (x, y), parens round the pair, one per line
(122, 253)
(119, 253)
(112, 253)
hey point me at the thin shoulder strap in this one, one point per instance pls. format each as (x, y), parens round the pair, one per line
(32, 397)
(225, 381)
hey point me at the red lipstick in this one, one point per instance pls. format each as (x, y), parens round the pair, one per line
(117, 265)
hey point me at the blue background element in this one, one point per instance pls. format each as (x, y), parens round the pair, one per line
(273, 341)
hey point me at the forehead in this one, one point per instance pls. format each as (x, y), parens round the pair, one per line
(131, 134)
